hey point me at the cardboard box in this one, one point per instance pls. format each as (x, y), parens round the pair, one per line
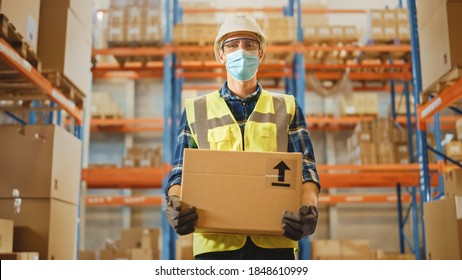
(83, 9)
(65, 45)
(110, 254)
(453, 182)
(19, 256)
(225, 190)
(454, 150)
(443, 228)
(24, 15)
(184, 247)
(6, 236)
(39, 161)
(439, 34)
(402, 153)
(143, 254)
(44, 225)
(402, 16)
(459, 129)
(87, 255)
(140, 238)
(325, 250)
(340, 249)
(355, 249)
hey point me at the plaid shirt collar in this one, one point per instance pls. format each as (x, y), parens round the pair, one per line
(229, 96)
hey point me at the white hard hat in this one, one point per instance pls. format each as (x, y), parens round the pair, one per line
(238, 22)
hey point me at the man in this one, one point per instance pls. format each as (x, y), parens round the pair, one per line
(237, 124)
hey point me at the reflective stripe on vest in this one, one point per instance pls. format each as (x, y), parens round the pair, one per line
(214, 127)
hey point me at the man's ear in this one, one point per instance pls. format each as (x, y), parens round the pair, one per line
(261, 54)
(221, 57)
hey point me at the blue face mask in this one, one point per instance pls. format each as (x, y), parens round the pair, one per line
(242, 65)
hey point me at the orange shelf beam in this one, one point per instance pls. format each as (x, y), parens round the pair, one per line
(372, 179)
(400, 66)
(366, 48)
(94, 200)
(270, 10)
(140, 51)
(124, 200)
(447, 122)
(10, 56)
(120, 178)
(352, 176)
(146, 51)
(334, 123)
(362, 198)
(371, 76)
(445, 99)
(126, 125)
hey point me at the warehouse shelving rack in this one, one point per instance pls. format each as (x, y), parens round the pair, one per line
(172, 72)
(22, 76)
(423, 113)
(26, 75)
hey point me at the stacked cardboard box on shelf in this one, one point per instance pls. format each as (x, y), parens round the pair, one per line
(135, 244)
(143, 157)
(104, 106)
(64, 39)
(382, 255)
(340, 249)
(359, 104)
(135, 22)
(379, 142)
(24, 15)
(389, 25)
(439, 25)
(39, 190)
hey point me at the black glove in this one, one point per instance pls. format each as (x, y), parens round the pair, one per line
(299, 225)
(181, 220)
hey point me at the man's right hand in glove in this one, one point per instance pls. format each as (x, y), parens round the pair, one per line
(181, 220)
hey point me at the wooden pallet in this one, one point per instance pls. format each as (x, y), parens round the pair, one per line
(9, 34)
(445, 81)
(68, 88)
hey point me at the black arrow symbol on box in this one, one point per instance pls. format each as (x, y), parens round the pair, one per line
(282, 167)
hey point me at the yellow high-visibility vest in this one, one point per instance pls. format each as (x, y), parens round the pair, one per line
(214, 127)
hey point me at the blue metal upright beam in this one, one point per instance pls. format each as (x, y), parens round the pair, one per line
(392, 102)
(421, 135)
(168, 235)
(299, 93)
(439, 148)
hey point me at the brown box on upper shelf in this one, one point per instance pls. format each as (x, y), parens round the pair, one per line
(439, 24)
(24, 15)
(64, 42)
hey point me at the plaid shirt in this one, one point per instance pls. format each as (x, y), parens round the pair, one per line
(299, 137)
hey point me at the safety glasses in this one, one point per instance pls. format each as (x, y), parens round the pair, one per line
(243, 43)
